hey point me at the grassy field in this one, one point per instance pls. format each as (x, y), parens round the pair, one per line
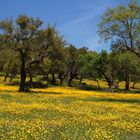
(62, 113)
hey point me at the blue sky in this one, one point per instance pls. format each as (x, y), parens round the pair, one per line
(76, 20)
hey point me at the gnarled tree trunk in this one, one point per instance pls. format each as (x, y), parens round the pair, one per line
(23, 74)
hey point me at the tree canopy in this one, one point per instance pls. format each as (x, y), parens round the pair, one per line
(121, 25)
(29, 49)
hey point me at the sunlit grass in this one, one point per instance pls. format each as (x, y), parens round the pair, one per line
(63, 113)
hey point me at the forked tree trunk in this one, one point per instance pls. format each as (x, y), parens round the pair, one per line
(6, 76)
(109, 81)
(98, 84)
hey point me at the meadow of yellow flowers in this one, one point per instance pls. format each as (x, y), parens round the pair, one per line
(62, 113)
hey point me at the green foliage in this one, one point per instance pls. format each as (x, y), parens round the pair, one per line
(128, 64)
(121, 25)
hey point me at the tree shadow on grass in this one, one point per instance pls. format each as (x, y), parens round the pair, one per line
(45, 92)
(104, 90)
(29, 85)
(86, 87)
(12, 83)
(112, 100)
(6, 96)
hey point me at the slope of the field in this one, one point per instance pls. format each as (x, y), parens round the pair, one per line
(62, 113)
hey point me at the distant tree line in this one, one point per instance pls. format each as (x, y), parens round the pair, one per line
(28, 49)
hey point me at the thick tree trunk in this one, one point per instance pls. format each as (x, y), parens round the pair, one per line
(109, 81)
(22, 81)
(127, 83)
(22, 76)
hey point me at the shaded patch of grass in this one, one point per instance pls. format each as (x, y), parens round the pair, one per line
(112, 100)
(86, 87)
(69, 100)
(45, 92)
(6, 96)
